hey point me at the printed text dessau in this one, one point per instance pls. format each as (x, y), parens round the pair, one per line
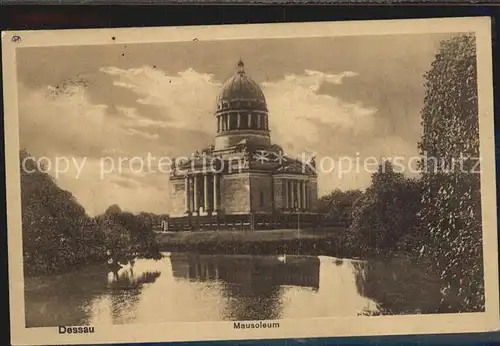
(76, 329)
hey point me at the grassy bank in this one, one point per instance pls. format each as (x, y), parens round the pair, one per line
(326, 241)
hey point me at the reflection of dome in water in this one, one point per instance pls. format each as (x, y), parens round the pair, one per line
(239, 88)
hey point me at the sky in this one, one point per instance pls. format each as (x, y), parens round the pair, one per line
(96, 106)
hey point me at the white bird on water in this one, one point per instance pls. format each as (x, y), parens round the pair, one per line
(282, 258)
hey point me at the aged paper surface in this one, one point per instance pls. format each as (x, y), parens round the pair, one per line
(250, 181)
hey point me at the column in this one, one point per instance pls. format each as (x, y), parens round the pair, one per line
(267, 122)
(195, 192)
(215, 192)
(187, 194)
(239, 121)
(307, 194)
(218, 123)
(249, 120)
(205, 192)
(258, 120)
(299, 194)
(286, 194)
(304, 195)
(293, 188)
(191, 193)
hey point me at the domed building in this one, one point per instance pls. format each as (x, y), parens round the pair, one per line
(242, 180)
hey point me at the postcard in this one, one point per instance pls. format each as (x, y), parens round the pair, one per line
(256, 181)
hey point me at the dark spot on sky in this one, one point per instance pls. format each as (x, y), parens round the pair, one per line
(113, 38)
(170, 81)
(123, 54)
(195, 39)
(154, 66)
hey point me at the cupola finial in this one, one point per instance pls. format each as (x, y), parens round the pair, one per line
(241, 66)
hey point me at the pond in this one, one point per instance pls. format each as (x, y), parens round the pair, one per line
(182, 287)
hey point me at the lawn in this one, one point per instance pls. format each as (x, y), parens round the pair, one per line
(197, 237)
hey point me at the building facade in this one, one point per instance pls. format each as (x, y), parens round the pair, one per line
(242, 180)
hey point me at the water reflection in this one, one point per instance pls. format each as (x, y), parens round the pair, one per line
(337, 295)
(73, 298)
(252, 286)
(399, 286)
(192, 288)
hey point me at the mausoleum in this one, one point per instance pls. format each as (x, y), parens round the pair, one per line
(242, 180)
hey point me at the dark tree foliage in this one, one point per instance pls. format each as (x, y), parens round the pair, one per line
(58, 234)
(137, 236)
(451, 209)
(387, 214)
(338, 205)
(56, 231)
(113, 210)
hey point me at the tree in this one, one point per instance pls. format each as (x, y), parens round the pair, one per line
(337, 206)
(57, 233)
(113, 210)
(127, 233)
(386, 213)
(451, 201)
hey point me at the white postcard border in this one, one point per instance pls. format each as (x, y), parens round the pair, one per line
(199, 331)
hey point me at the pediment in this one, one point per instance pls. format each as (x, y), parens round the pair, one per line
(295, 167)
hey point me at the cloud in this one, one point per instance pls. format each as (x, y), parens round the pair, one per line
(186, 99)
(302, 119)
(65, 122)
(60, 123)
(298, 112)
(136, 120)
(319, 77)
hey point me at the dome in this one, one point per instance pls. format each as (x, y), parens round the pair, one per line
(240, 91)
(242, 115)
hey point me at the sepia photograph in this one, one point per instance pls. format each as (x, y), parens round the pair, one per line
(251, 181)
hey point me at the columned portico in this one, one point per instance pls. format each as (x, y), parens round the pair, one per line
(295, 194)
(201, 192)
